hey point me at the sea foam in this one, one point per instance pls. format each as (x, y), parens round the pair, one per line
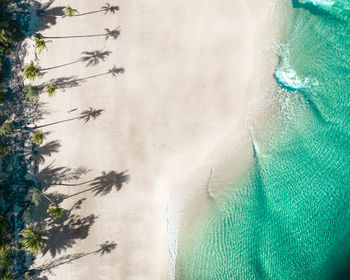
(320, 3)
(287, 78)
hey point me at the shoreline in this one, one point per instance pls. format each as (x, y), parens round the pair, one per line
(229, 160)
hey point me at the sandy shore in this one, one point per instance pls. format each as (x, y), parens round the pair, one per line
(189, 77)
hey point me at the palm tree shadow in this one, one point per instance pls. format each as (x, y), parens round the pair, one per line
(104, 184)
(47, 149)
(105, 248)
(91, 58)
(72, 81)
(62, 83)
(63, 233)
(109, 34)
(51, 175)
(85, 115)
(47, 16)
(107, 9)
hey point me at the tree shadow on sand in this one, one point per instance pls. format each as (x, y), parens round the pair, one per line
(62, 176)
(48, 149)
(108, 34)
(62, 83)
(51, 175)
(105, 248)
(106, 9)
(105, 183)
(91, 58)
(47, 16)
(85, 115)
(63, 233)
(72, 81)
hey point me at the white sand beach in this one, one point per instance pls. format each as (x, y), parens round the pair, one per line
(190, 73)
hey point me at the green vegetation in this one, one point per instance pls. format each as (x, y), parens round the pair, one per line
(70, 12)
(9, 35)
(38, 137)
(9, 31)
(2, 148)
(5, 263)
(34, 238)
(51, 90)
(6, 129)
(41, 43)
(2, 96)
(55, 212)
(31, 71)
(35, 196)
(5, 251)
(31, 92)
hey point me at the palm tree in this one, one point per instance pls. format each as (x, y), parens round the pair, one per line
(70, 12)
(31, 71)
(114, 34)
(40, 43)
(35, 196)
(115, 71)
(107, 247)
(86, 115)
(93, 58)
(108, 8)
(104, 184)
(38, 137)
(34, 238)
(6, 129)
(31, 92)
(55, 212)
(5, 263)
(51, 90)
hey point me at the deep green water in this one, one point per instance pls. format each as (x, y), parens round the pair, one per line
(289, 217)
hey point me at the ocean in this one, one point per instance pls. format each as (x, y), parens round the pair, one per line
(288, 217)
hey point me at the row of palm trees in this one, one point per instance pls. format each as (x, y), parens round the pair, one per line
(34, 236)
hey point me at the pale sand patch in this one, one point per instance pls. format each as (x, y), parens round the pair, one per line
(189, 77)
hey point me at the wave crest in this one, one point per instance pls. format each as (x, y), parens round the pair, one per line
(319, 3)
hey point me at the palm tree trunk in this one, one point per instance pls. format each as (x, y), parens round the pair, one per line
(90, 77)
(67, 120)
(48, 198)
(62, 65)
(89, 13)
(75, 36)
(51, 15)
(87, 190)
(79, 184)
(75, 257)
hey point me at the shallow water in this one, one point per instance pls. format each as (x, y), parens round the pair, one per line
(288, 218)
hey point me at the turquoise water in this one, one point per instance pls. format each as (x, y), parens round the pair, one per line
(289, 217)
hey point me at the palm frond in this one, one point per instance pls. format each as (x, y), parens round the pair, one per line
(38, 137)
(33, 238)
(51, 90)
